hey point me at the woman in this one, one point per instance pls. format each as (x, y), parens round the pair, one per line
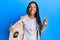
(32, 22)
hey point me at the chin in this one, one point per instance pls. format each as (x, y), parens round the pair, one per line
(32, 13)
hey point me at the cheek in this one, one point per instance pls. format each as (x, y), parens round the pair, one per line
(35, 9)
(29, 9)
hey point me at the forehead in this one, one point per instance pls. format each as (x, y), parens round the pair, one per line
(32, 4)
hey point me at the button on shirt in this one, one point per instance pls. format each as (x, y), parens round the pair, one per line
(30, 32)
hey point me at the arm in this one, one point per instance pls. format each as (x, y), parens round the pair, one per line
(44, 24)
(42, 28)
(17, 23)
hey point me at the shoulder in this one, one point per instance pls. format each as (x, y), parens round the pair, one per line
(23, 17)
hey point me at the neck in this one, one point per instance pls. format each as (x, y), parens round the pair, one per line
(31, 16)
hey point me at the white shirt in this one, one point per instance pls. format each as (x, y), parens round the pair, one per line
(30, 32)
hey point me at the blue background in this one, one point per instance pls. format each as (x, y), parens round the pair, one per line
(12, 10)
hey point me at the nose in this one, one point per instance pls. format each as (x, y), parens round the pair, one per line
(32, 8)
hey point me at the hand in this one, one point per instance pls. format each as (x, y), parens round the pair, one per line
(22, 17)
(45, 21)
(10, 29)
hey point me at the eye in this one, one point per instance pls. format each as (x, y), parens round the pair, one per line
(34, 7)
(29, 7)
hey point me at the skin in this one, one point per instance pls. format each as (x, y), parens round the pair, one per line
(32, 11)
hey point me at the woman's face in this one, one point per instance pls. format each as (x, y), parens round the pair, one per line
(32, 9)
